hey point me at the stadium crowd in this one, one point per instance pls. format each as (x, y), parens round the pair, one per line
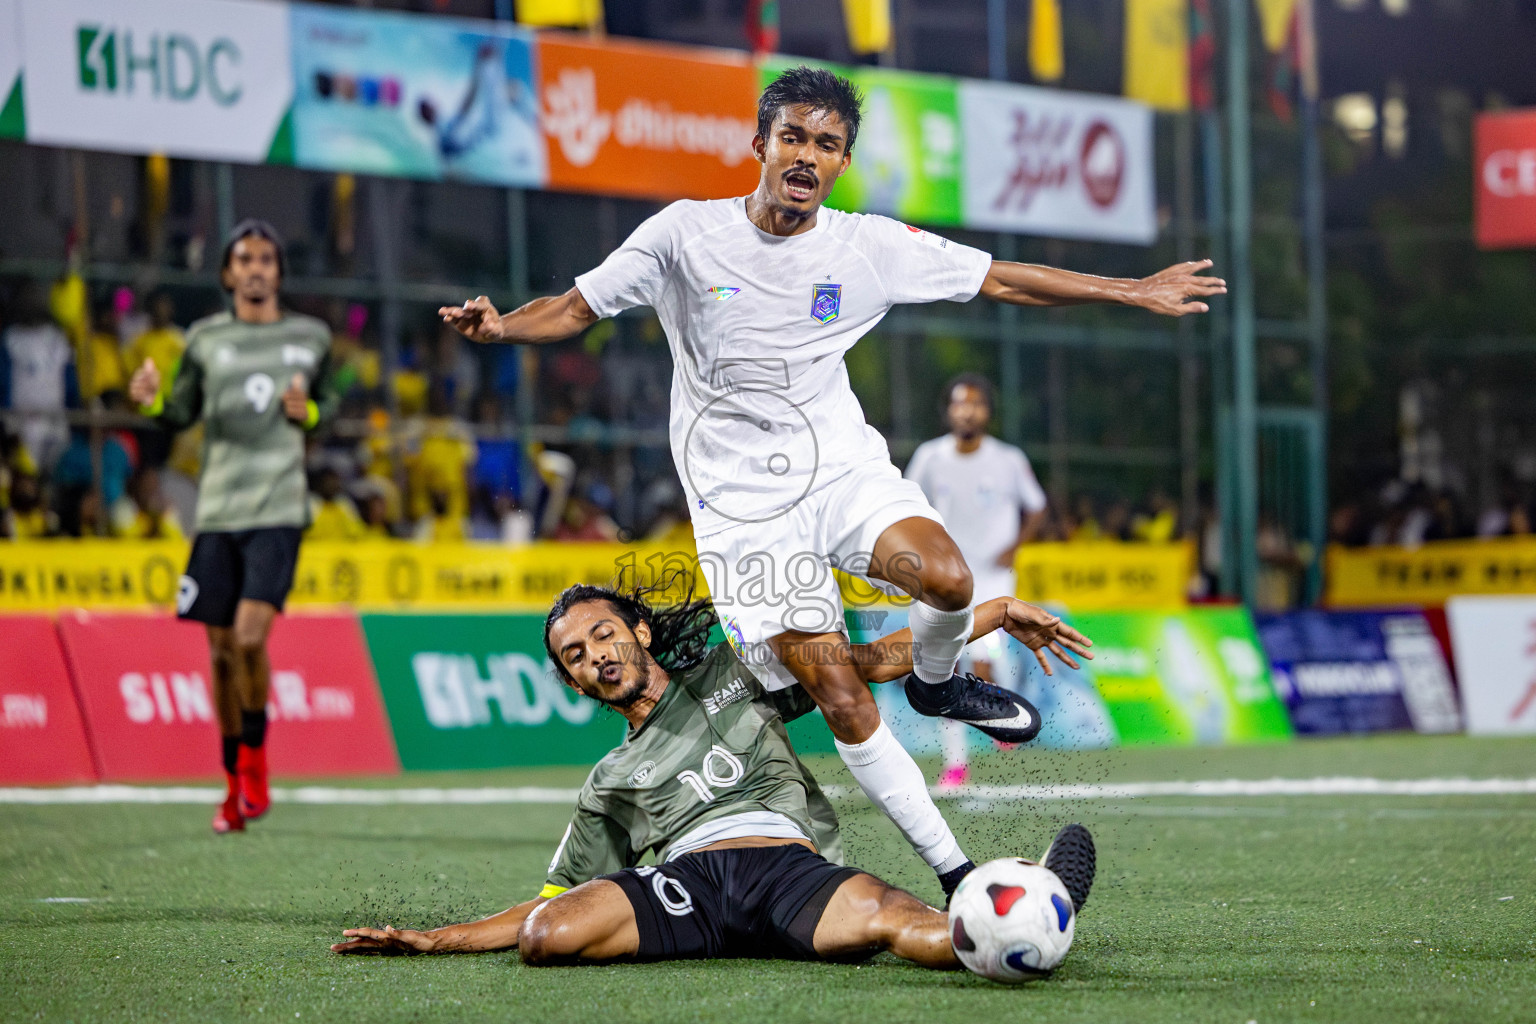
(430, 448)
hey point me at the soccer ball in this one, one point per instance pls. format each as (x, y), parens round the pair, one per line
(1011, 920)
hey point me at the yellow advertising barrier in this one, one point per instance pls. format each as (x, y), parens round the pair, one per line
(1377, 576)
(384, 575)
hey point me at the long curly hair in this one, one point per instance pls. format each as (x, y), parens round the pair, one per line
(679, 631)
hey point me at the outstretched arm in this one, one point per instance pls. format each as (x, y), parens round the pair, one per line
(551, 318)
(890, 657)
(499, 931)
(1175, 291)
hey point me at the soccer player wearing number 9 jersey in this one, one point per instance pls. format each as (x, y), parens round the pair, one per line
(257, 378)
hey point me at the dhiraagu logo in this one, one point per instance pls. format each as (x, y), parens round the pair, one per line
(166, 65)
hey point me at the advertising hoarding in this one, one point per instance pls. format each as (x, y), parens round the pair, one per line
(207, 80)
(1055, 163)
(477, 691)
(1504, 179)
(415, 97)
(42, 736)
(13, 120)
(1184, 677)
(906, 160)
(1344, 672)
(647, 121)
(146, 688)
(1494, 643)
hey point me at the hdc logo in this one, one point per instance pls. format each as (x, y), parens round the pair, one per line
(174, 66)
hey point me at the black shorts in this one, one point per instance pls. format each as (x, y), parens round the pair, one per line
(752, 902)
(227, 568)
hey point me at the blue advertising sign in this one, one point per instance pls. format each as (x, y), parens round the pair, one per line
(416, 97)
(1344, 672)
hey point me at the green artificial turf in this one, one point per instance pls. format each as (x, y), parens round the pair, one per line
(1245, 909)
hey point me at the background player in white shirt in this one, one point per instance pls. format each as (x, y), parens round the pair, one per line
(991, 503)
(759, 298)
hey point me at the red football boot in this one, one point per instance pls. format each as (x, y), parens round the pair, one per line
(251, 767)
(229, 818)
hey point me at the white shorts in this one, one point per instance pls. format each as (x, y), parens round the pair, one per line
(775, 576)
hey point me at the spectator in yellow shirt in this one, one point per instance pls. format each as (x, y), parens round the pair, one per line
(332, 514)
(100, 356)
(28, 518)
(162, 344)
(444, 454)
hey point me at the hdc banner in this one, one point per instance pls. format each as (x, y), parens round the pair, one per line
(206, 80)
(1047, 162)
(478, 691)
(42, 739)
(419, 97)
(146, 687)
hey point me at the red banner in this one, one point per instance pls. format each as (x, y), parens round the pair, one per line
(147, 690)
(1505, 190)
(42, 738)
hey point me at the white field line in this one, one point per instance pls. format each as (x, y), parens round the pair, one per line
(339, 795)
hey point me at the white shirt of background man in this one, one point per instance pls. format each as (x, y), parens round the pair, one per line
(762, 412)
(983, 496)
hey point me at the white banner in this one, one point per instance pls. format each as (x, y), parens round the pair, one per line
(1494, 640)
(207, 79)
(1061, 164)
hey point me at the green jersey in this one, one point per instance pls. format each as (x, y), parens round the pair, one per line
(232, 376)
(713, 747)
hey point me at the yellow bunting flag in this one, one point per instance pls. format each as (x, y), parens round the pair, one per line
(560, 13)
(1275, 22)
(1157, 53)
(1046, 62)
(869, 25)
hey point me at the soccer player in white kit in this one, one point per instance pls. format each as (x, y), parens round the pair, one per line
(759, 297)
(991, 503)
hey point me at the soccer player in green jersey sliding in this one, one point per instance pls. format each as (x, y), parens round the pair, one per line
(746, 847)
(257, 378)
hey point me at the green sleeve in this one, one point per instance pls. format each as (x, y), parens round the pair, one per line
(185, 403)
(594, 845)
(324, 396)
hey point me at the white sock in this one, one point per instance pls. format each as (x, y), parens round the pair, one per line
(937, 638)
(894, 783)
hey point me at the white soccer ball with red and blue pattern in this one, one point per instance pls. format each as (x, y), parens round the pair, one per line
(1011, 920)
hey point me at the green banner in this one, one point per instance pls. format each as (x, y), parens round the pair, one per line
(1187, 677)
(476, 691)
(906, 160)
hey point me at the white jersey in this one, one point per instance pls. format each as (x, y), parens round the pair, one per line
(762, 412)
(982, 496)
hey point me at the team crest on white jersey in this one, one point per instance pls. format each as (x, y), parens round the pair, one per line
(726, 696)
(826, 301)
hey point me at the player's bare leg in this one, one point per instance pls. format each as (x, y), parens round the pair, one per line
(228, 666)
(823, 664)
(594, 921)
(866, 915)
(917, 555)
(253, 625)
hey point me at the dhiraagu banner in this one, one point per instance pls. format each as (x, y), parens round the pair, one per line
(13, 121)
(414, 96)
(206, 80)
(906, 160)
(476, 691)
(1184, 677)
